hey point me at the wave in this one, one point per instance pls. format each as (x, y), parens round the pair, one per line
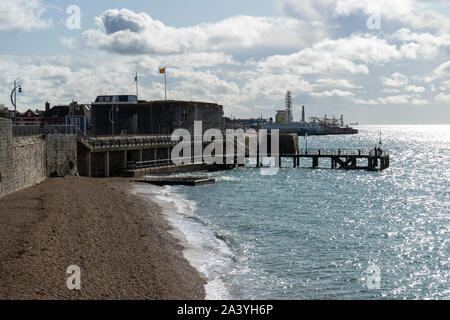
(227, 178)
(205, 249)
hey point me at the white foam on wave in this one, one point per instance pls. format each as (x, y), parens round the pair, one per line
(227, 178)
(203, 249)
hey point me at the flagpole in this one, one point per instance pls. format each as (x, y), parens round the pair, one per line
(137, 87)
(165, 83)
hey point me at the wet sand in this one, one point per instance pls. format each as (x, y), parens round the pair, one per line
(120, 241)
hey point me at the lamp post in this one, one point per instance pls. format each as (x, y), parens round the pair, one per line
(112, 117)
(13, 101)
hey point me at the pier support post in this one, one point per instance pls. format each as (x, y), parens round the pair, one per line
(315, 162)
(89, 164)
(125, 160)
(372, 164)
(140, 155)
(107, 164)
(257, 155)
(168, 155)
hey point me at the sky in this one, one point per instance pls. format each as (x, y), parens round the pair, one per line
(376, 62)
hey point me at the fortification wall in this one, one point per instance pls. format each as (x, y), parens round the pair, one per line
(5, 155)
(22, 160)
(26, 161)
(61, 154)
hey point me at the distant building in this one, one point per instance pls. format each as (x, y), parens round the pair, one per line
(29, 117)
(125, 115)
(5, 112)
(281, 116)
(245, 124)
(72, 114)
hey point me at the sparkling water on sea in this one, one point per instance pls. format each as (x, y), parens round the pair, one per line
(313, 233)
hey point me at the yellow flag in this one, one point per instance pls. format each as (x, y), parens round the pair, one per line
(162, 70)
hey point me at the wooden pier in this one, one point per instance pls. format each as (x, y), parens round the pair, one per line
(140, 155)
(347, 159)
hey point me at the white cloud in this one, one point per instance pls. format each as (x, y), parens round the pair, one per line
(390, 90)
(22, 15)
(441, 71)
(422, 45)
(362, 101)
(419, 101)
(335, 92)
(339, 83)
(414, 89)
(69, 42)
(411, 13)
(442, 98)
(273, 86)
(126, 32)
(399, 99)
(445, 85)
(346, 55)
(397, 80)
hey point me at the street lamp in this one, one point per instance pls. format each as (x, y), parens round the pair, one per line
(113, 110)
(13, 93)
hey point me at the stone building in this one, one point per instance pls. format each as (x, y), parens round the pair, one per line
(119, 116)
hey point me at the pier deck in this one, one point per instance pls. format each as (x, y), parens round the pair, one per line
(375, 160)
(140, 155)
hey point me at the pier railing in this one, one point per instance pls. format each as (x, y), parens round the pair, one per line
(35, 130)
(125, 141)
(26, 130)
(341, 152)
(139, 165)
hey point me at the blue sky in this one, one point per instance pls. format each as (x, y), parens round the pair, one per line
(242, 54)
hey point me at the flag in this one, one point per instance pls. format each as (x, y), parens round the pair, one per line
(136, 78)
(162, 70)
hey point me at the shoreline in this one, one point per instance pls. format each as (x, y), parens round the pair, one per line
(209, 254)
(122, 243)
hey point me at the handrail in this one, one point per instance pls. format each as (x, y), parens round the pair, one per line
(114, 142)
(341, 152)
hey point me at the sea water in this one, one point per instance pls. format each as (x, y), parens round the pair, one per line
(317, 233)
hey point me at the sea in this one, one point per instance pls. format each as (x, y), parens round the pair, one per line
(320, 233)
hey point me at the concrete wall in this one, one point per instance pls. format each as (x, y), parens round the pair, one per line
(26, 161)
(5, 156)
(22, 160)
(61, 154)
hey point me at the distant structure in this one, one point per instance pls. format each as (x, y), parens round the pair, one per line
(29, 117)
(281, 116)
(289, 118)
(75, 114)
(303, 114)
(5, 112)
(316, 126)
(125, 115)
(244, 124)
